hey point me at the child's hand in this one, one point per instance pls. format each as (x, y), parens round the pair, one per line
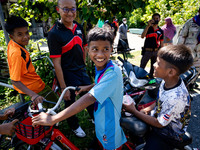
(42, 119)
(129, 108)
(82, 89)
(67, 95)
(9, 112)
(85, 88)
(8, 128)
(37, 99)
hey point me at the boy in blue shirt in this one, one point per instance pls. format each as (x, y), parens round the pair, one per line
(106, 93)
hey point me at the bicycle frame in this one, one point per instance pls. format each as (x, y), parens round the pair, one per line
(55, 86)
(57, 135)
(37, 133)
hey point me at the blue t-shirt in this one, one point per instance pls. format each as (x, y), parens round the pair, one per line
(108, 92)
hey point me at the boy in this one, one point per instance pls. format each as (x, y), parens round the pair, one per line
(170, 116)
(22, 72)
(107, 93)
(66, 43)
(7, 128)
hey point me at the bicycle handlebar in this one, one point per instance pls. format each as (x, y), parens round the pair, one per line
(52, 110)
(43, 56)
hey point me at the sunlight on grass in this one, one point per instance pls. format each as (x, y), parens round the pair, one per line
(134, 57)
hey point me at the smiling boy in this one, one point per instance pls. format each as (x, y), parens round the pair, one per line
(106, 93)
(22, 72)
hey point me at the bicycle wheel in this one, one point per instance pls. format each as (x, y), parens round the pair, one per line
(24, 146)
(5, 142)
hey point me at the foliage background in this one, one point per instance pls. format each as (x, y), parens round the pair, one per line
(179, 10)
(138, 12)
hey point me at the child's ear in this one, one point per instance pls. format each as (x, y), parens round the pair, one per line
(172, 72)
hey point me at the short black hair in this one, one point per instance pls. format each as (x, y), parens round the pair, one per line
(14, 22)
(114, 17)
(179, 56)
(60, 0)
(105, 34)
(156, 14)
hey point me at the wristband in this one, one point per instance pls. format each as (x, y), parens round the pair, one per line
(36, 97)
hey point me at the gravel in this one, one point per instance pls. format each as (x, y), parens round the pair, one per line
(194, 124)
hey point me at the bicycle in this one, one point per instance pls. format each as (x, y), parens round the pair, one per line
(55, 85)
(40, 137)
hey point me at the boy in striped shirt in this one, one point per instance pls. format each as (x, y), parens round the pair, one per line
(170, 116)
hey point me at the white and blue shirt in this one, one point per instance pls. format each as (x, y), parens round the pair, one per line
(108, 92)
(173, 110)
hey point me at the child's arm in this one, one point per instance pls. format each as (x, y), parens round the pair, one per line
(8, 112)
(79, 105)
(34, 96)
(146, 118)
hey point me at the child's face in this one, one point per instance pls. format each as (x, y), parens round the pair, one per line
(160, 68)
(99, 52)
(21, 36)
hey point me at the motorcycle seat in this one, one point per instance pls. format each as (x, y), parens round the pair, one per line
(137, 127)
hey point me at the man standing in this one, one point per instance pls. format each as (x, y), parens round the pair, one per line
(153, 42)
(123, 28)
(190, 36)
(66, 42)
(115, 25)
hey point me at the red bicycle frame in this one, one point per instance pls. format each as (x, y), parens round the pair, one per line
(57, 135)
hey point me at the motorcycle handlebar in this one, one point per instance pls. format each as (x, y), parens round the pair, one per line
(120, 59)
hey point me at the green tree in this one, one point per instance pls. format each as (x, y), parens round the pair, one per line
(179, 10)
(88, 9)
(40, 10)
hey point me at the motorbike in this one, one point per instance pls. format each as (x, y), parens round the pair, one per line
(190, 77)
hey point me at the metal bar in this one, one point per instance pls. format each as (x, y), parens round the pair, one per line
(6, 85)
(2, 24)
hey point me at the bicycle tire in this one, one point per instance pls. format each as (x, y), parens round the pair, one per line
(5, 142)
(24, 146)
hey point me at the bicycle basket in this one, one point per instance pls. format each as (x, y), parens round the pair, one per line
(27, 133)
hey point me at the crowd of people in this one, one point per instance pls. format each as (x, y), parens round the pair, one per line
(68, 47)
